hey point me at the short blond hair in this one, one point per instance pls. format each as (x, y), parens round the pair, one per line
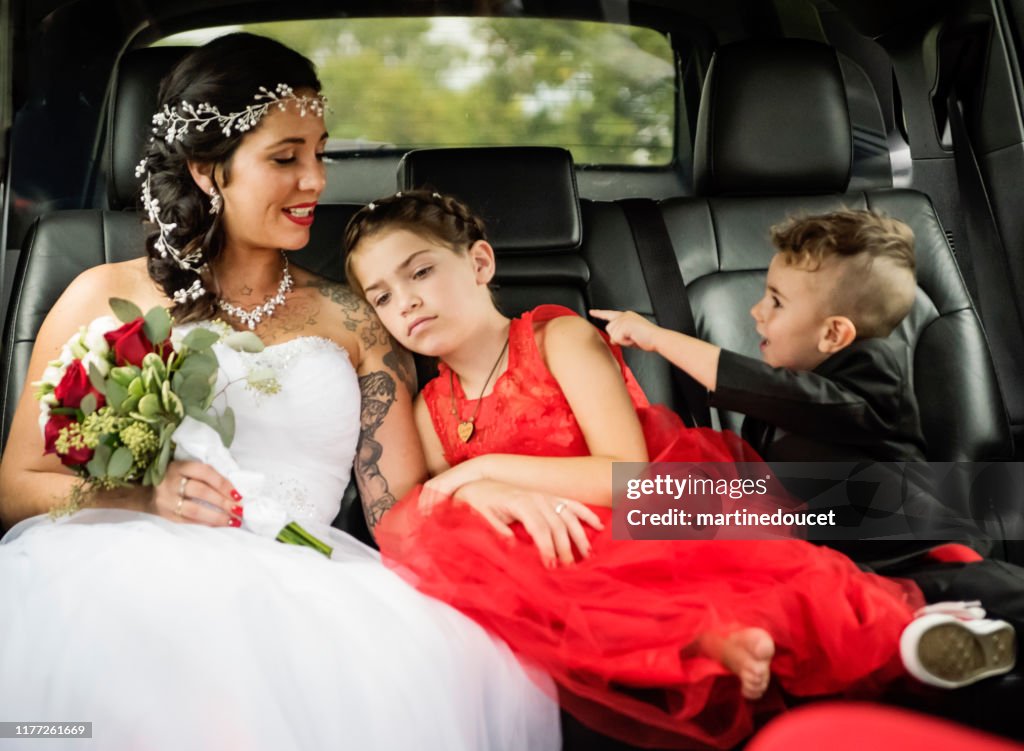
(874, 253)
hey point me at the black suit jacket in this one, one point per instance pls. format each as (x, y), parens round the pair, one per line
(857, 405)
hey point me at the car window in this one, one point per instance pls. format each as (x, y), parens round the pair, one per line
(604, 91)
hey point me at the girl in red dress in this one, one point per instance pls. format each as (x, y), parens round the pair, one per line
(661, 643)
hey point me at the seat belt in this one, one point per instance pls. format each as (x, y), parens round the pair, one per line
(986, 255)
(667, 290)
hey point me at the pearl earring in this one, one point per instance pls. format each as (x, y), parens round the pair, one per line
(216, 202)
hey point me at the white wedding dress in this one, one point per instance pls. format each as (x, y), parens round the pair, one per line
(179, 636)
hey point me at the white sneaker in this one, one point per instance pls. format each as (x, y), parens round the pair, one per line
(949, 652)
(965, 610)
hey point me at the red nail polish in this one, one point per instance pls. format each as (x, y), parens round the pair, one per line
(234, 523)
(237, 510)
(236, 495)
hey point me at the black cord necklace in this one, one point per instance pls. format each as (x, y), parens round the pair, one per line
(466, 428)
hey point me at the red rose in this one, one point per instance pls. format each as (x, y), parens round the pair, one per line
(130, 344)
(51, 432)
(75, 385)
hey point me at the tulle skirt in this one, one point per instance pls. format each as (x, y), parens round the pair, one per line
(621, 632)
(174, 636)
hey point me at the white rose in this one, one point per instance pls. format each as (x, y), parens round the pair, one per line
(94, 340)
(53, 374)
(104, 325)
(97, 359)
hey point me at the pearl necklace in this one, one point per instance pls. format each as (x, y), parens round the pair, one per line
(253, 316)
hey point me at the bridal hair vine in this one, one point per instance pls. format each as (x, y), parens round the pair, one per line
(173, 123)
(178, 119)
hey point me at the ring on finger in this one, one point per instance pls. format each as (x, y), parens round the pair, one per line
(560, 507)
(181, 489)
(177, 508)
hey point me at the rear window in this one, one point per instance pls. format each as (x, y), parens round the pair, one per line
(604, 91)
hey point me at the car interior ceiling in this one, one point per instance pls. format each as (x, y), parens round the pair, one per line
(901, 65)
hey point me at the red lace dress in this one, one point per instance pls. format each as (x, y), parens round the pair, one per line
(618, 631)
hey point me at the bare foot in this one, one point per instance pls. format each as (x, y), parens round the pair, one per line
(748, 653)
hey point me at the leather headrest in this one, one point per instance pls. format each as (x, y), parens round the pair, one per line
(133, 104)
(773, 120)
(526, 195)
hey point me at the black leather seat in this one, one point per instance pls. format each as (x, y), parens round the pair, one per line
(527, 197)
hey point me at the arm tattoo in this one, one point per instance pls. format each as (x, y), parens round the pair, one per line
(401, 363)
(358, 314)
(377, 391)
(359, 318)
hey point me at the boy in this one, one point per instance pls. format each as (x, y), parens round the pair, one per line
(832, 385)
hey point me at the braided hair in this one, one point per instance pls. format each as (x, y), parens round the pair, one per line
(424, 212)
(225, 73)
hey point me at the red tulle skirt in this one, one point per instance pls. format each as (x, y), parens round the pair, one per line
(621, 632)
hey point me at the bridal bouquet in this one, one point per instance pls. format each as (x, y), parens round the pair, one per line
(125, 397)
(111, 401)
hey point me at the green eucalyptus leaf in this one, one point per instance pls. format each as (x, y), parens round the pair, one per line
(203, 364)
(244, 341)
(226, 426)
(125, 310)
(88, 404)
(159, 467)
(97, 466)
(157, 326)
(193, 389)
(202, 416)
(200, 339)
(120, 462)
(116, 393)
(96, 379)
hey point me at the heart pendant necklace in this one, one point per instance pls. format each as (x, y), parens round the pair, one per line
(466, 428)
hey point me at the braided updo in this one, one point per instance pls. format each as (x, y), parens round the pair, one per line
(225, 73)
(423, 212)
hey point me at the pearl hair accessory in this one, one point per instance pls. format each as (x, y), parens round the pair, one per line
(172, 124)
(372, 205)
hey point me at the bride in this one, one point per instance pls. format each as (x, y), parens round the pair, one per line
(150, 614)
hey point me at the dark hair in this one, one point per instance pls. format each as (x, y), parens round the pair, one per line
(876, 285)
(422, 211)
(225, 73)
